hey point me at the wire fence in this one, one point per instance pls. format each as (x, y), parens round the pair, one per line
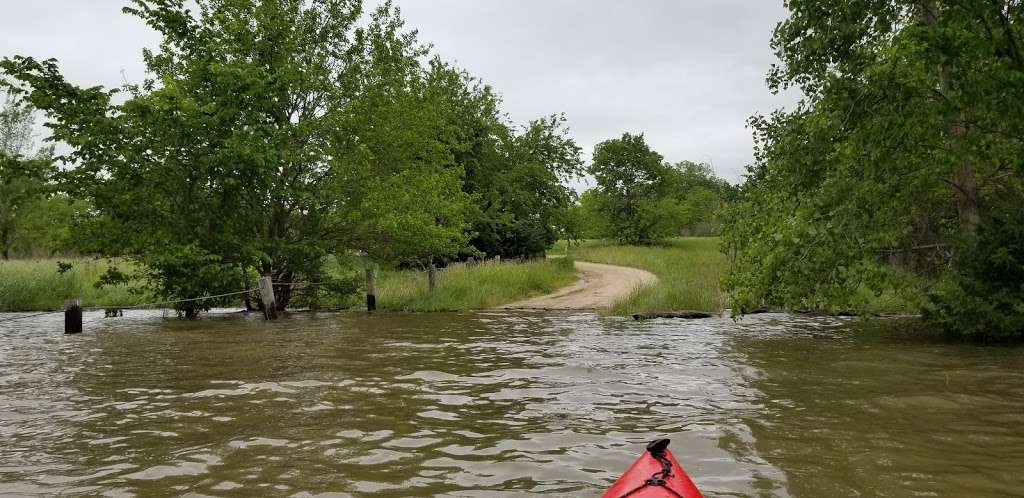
(159, 304)
(152, 305)
(255, 292)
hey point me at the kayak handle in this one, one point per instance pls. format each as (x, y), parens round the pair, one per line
(657, 447)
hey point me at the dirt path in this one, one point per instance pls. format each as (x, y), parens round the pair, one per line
(598, 288)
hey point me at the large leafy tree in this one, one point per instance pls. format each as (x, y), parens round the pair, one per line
(524, 196)
(268, 134)
(517, 176)
(635, 190)
(907, 143)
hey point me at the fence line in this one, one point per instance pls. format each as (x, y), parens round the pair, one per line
(371, 297)
(173, 301)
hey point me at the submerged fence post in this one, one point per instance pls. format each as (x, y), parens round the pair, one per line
(371, 289)
(73, 316)
(267, 298)
(432, 277)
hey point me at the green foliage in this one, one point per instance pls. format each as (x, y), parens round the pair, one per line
(631, 183)
(516, 176)
(644, 200)
(702, 197)
(985, 299)
(44, 227)
(33, 285)
(689, 273)
(113, 275)
(330, 292)
(591, 222)
(401, 178)
(269, 135)
(462, 287)
(908, 138)
(24, 181)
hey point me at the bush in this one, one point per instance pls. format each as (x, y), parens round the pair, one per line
(984, 298)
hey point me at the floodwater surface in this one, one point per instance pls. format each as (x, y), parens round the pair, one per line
(501, 404)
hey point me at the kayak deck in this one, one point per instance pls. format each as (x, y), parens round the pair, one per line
(656, 473)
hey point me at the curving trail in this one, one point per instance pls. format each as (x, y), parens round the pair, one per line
(598, 288)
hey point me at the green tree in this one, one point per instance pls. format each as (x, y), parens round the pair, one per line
(249, 149)
(634, 190)
(24, 181)
(590, 216)
(907, 142)
(702, 195)
(517, 176)
(400, 179)
(527, 198)
(44, 228)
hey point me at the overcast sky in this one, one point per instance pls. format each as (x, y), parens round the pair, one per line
(687, 73)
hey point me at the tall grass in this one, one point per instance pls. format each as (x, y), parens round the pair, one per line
(689, 273)
(462, 287)
(31, 285)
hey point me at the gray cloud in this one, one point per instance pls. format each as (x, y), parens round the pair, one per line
(686, 73)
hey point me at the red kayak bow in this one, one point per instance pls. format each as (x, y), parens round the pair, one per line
(655, 474)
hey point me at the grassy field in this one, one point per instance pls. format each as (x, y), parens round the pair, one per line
(34, 285)
(689, 273)
(481, 286)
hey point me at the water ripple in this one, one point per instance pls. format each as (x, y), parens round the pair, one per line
(499, 404)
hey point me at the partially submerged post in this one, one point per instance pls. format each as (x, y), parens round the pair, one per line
(432, 276)
(371, 289)
(267, 298)
(73, 316)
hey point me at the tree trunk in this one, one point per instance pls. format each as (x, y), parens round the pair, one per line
(967, 191)
(283, 293)
(4, 236)
(964, 180)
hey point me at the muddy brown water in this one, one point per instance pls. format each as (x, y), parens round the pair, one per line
(501, 404)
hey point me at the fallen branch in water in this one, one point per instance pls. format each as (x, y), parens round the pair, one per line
(686, 315)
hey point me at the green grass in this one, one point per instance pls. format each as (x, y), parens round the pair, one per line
(461, 287)
(689, 273)
(34, 285)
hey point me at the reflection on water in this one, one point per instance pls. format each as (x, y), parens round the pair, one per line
(500, 404)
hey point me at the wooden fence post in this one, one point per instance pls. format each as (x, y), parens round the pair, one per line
(267, 297)
(432, 276)
(73, 316)
(371, 289)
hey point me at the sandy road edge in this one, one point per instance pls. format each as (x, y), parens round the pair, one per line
(600, 285)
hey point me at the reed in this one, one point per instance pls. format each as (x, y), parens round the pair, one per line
(34, 285)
